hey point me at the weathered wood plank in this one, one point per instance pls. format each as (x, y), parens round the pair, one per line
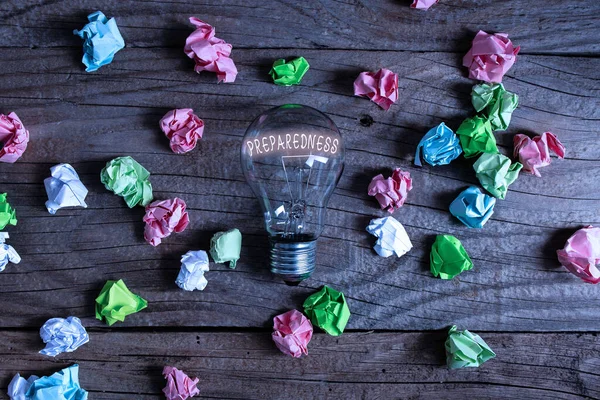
(87, 119)
(550, 27)
(359, 366)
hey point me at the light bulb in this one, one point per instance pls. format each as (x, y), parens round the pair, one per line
(293, 157)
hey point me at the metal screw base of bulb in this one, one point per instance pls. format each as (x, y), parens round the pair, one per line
(293, 261)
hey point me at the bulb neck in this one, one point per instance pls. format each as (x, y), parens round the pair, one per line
(293, 261)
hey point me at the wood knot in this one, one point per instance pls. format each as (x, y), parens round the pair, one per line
(366, 120)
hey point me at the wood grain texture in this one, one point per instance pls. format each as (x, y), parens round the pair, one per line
(555, 27)
(118, 365)
(87, 119)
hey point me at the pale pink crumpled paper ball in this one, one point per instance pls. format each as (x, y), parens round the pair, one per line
(381, 87)
(581, 254)
(490, 57)
(13, 138)
(391, 192)
(183, 128)
(534, 152)
(423, 4)
(164, 217)
(292, 332)
(179, 385)
(209, 52)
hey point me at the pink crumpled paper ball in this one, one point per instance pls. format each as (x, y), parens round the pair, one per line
(381, 87)
(13, 138)
(292, 332)
(581, 254)
(164, 217)
(423, 4)
(490, 57)
(179, 385)
(183, 128)
(391, 192)
(209, 52)
(534, 152)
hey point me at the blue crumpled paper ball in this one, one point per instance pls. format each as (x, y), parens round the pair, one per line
(102, 40)
(439, 146)
(62, 335)
(472, 207)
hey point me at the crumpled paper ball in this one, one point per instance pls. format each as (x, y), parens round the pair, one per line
(183, 128)
(391, 237)
(7, 253)
(226, 247)
(495, 173)
(62, 385)
(116, 301)
(164, 217)
(496, 103)
(472, 207)
(448, 257)
(209, 52)
(64, 189)
(423, 4)
(581, 254)
(381, 87)
(391, 193)
(289, 73)
(291, 333)
(328, 310)
(440, 146)
(490, 57)
(465, 349)
(8, 215)
(127, 178)
(13, 138)
(101, 41)
(193, 266)
(476, 137)
(534, 152)
(62, 336)
(179, 385)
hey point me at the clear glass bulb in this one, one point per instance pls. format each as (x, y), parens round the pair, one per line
(293, 157)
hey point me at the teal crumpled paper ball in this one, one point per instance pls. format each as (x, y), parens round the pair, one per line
(101, 40)
(473, 207)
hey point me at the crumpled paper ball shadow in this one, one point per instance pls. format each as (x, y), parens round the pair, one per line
(495, 173)
(101, 41)
(472, 207)
(13, 138)
(439, 146)
(465, 349)
(380, 87)
(328, 310)
(292, 332)
(183, 128)
(209, 52)
(391, 193)
(581, 254)
(490, 57)
(534, 153)
(448, 257)
(127, 178)
(116, 301)
(289, 73)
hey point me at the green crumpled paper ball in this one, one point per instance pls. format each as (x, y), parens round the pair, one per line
(476, 137)
(448, 257)
(289, 73)
(495, 173)
(496, 103)
(328, 310)
(127, 178)
(465, 349)
(115, 302)
(7, 213)
(226, 247)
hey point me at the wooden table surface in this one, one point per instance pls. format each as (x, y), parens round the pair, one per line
(541, 320)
